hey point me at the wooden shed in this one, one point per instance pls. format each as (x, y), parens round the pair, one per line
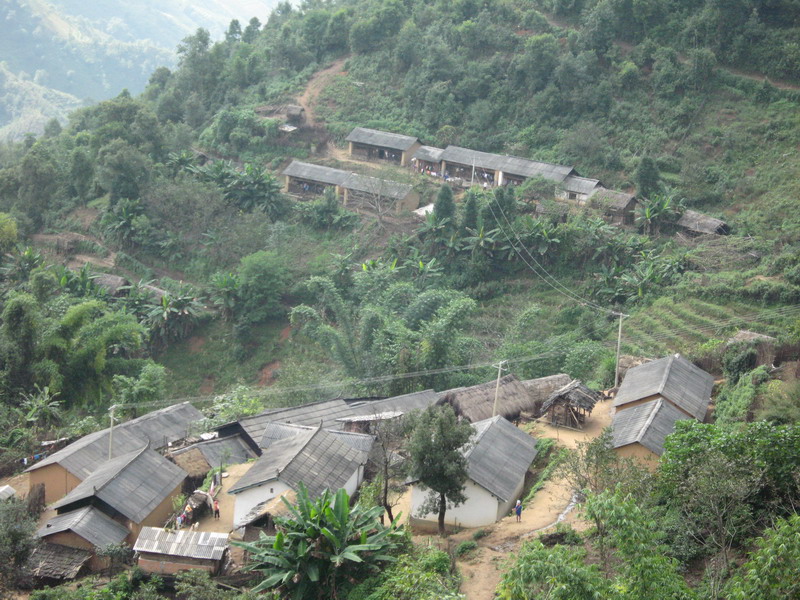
(699, 223)
(170, 551)
(618, 208)
(53, 564)
(578, 189)
(570, 405)
(372, 144)
(113, 284)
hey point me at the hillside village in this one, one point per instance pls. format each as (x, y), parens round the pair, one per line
(152, 483)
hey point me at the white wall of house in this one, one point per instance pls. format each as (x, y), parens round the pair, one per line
(480, 509)
(355, 480)
(249, 498)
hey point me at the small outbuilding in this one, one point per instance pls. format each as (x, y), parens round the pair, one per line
(307, 179)
(698, 223)
(372, 144)
(618, 208)
(6, 492)
(53, 564)
(498, 457)
(578, 189)
(570, 405)
(639, 432)
(362, 191)
(170, 551)
(113, 284)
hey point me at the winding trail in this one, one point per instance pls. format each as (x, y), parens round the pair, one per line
(317, 82)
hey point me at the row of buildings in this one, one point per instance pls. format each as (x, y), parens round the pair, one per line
(467, 167)
(118, 486)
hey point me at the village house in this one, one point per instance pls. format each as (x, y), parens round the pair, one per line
(62, 471)
(306, 179)
(639, 432)
(515, 399)
(371, 144)
(135, 490)
(317, 458)
(428, 160)
(498, 457)
(362, 191)
(170, 551)
(54, 564)
(578, 189)
(699, 224)
(673, 379)
(199, 458)
(618, 208)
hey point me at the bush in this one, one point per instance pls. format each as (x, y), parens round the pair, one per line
(466, 547)
(481, 533)
(262, 281)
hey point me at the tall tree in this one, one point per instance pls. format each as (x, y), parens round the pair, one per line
(445, 207)
(647, 177)
(436, 458)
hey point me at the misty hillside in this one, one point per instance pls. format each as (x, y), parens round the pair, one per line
(92, 50)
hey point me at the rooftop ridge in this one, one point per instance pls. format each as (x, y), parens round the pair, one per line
(303, 447)
(653, 413)
(123, 467)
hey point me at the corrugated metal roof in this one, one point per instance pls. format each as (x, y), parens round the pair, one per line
(384, 139)
(55, 561)
(377, 187)
(159, 428)
(673, 377)
(513, 165)
(429, 154)
(90, 523)
(581, 185)
(133, 484)
(7, 492)
(182, 542)
(611, 199)
(318, 458)
(499, 456)
(311, 172)
(649, 424)
(275, 432)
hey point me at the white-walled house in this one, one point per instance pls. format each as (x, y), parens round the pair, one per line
(318, 458)
(498, 457)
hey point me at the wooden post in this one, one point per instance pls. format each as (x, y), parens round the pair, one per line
(619, 343)
(497, 387)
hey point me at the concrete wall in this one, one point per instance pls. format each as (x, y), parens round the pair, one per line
(480, 509)
(249, 498)
(58, 482)
(171, 565)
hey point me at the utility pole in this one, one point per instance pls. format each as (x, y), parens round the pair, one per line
(619, 344)
(497, 387)
(111, 430)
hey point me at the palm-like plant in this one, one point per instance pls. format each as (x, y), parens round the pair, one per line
(41, 407)
(322, 544)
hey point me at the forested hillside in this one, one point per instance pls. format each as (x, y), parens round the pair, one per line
(242, 296)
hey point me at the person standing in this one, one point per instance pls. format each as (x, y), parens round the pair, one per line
(518, 510)
(216, 509)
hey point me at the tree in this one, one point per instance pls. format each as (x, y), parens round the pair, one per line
(262, 281)
(471, 214)
(771, 571)
(322, 545)
(17, 540)
(445, 207)
(647, 177)
(389, 436)
(41, 407)
(8, 232)
(436, 458)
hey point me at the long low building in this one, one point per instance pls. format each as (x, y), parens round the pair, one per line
(307, 179)
(372, 144)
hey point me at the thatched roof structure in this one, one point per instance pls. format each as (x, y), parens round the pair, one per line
(699, 223)
(540, 389)
(193, 462)
(751, 336)
(110, 283)
(476, 403)
(574, 394)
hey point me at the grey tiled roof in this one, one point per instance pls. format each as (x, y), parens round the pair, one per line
(158, 428)
(376, 187)
(90, 523)
(580, 185)
(611, 199)
(55, 561)
(276, 432)
(429, 154)
(674, 378)
(318, 458)
(230, 450)
(133, 484)
(182, 542)
(384, 139)
(311, 172)
(513, 165)
(649, 424)
(499, 456)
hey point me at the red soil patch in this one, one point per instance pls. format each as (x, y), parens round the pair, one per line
(207, 387)
(196, 344)
(266, 375)
(285, 333)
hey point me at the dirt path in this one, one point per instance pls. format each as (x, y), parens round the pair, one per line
(308, 98)
(481, 570)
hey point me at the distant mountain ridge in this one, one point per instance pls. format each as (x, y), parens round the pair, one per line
(61, 54)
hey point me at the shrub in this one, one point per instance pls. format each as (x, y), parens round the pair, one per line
(481, 533)
(466, 547)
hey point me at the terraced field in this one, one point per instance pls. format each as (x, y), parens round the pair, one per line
(678, 326)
